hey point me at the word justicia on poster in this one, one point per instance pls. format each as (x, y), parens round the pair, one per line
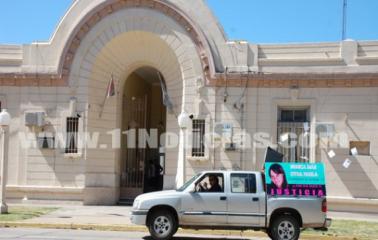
(295, 179)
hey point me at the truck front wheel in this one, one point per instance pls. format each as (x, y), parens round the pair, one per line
(162, 225)
(285, 228)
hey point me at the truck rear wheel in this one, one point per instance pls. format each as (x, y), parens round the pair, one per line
(162, 225)
(285, 228)
(269, 233)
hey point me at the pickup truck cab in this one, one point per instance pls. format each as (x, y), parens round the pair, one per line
(238, 202)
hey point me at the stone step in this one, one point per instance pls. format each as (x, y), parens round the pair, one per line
(126, 202)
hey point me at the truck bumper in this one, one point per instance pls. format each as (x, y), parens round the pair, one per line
(139, 217)
(328, 223)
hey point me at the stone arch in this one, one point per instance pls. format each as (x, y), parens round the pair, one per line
(137, 22)
(110, 7)
(118, 45)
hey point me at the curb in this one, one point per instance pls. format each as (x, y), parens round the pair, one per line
(73, 226)
(131, 228)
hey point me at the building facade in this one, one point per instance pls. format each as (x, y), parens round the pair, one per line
(313, 102)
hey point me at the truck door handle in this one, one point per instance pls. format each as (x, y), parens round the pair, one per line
(255, 199)
(223, 198)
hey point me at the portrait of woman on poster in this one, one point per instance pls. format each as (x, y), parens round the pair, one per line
(279, 186)
(278, 177)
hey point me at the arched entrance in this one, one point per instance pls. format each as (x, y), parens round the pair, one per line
(143, 116)
(117, 47)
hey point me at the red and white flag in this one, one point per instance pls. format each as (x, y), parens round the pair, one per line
(110, 92)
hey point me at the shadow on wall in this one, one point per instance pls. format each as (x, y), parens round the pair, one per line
(375, 160)
(354, 177)
(49, 166)
(359, 176)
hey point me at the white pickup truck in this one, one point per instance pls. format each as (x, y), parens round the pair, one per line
(239, 201)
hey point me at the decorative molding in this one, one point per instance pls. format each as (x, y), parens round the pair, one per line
(32, 80)
(11, 55)
(10, 62)
(277, 80)
(95, 16)
(367, 60)
(301, 62)
(286, 80)
(283, 80)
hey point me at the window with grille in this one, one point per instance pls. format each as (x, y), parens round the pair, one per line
(72, 130)
(293, 134)
(198, 133)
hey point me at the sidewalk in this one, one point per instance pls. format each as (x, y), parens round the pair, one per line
(119, 216)
(91, 215)
(368, 217)
(69, 216)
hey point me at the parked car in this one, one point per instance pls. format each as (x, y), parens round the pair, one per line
(239, 202)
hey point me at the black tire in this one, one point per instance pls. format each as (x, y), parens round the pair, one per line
(162, 225)
(285, 228)
(269, 233)
(175, 231)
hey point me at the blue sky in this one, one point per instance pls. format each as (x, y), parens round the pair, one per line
(258, 21)
(270, 21)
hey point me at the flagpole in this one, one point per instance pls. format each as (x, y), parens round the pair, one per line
(106, 96)
(103, 105)
(345, 13)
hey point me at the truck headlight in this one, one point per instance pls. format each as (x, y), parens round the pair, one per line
(135, 204)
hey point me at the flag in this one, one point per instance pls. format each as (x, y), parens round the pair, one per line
(272, 155)
(110, 92)
(166, 99)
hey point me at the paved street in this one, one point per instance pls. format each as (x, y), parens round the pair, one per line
(51, 234)
(115, 215)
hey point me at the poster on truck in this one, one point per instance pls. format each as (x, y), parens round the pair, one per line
(295, 179)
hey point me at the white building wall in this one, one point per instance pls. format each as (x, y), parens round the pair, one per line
(29, 166)
(51, 174)
(354, 111)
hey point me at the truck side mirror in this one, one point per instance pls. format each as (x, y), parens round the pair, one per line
(192, 188)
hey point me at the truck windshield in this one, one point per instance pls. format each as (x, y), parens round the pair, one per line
(188, 183)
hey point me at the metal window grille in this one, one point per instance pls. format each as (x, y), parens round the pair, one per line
(72, 131)
(294, 141)
(293, 133)
(198, 131)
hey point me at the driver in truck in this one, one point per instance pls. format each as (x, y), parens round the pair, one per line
(214, 185)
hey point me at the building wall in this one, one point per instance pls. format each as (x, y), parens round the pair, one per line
(352, 111)
(119, 42)
(33, 170)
